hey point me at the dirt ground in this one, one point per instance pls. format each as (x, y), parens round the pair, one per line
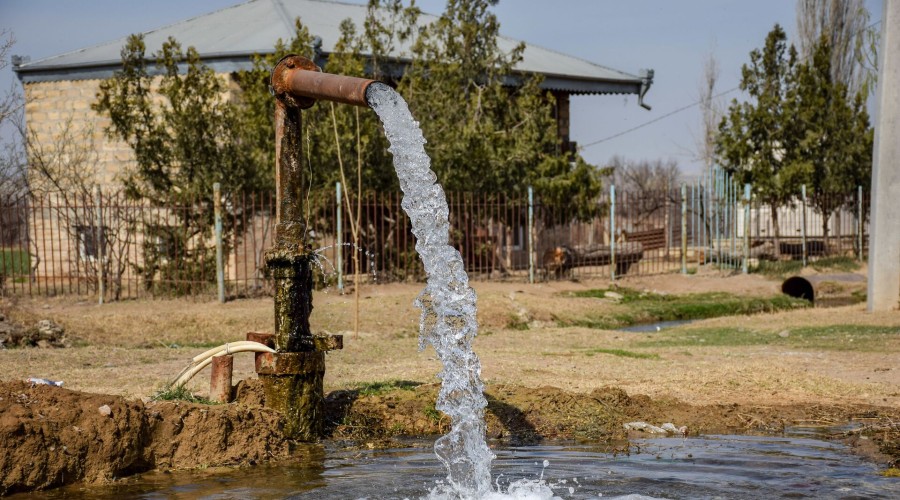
(543, 380)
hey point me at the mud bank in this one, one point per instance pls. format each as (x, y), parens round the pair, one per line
(53, 436)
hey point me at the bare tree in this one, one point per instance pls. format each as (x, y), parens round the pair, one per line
(12, 178)
(649, 186)
(711, 110)
(844, 25)
(64, 180)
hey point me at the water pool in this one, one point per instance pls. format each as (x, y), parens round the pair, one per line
(795, 465)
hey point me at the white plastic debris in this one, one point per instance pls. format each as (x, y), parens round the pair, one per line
(43, 381)
(666, 428)
(644, 426)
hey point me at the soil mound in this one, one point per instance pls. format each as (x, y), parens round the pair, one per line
(53, 436)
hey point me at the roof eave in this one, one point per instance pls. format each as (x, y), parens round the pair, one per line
(236, 61)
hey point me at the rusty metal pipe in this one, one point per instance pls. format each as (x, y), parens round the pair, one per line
(220, 378)
(297, 81)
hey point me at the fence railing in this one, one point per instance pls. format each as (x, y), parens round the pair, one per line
(108, 244)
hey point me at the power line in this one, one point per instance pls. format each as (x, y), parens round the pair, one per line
(679, 110)
(658, 118)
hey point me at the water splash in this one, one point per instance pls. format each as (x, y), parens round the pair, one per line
(327, 268)
(447, 302)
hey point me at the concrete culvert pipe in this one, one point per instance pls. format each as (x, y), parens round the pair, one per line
(810, 287)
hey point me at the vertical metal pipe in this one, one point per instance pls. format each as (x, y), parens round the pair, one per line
(612, 232)
(726, 221)
(530, 234)
(803, 224)
(220, 378)
(746, 266)
(704, 206)
(716, 211)
(683, 228)
(859, 222)
(339, 246)
(694, 229)
(98, 235)
(220, 264)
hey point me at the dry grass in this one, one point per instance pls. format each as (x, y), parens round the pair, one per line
(133, 348)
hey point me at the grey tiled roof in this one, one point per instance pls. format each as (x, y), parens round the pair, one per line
(228, 37)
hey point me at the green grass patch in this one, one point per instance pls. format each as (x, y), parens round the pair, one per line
(833, 337)
(842, 263)
(785, 268)
(180, 393)
(647, 307)
(623, 353)
(378, 388)
(14, 262)
(779, 269)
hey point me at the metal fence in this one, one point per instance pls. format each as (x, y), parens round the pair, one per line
(109, 246)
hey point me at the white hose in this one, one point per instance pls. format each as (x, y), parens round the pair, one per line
(212, 352)
(229, 345)
(203, 360)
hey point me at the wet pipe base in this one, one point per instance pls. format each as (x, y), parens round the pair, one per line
(293, 377)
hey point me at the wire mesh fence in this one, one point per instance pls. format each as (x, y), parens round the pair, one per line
(105, 244)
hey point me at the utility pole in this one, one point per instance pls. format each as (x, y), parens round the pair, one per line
(884, 233)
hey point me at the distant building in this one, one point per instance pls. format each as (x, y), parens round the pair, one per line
(63, 87)
(59, 91)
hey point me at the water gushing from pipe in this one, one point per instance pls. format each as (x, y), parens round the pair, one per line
(448, 302)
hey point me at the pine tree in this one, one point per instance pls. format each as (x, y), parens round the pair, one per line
(757, 139)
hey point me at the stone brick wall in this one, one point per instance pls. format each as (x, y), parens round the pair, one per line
(51, 107)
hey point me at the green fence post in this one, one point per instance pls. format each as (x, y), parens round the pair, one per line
(530, 235)
(220, 264)
(859, 222)
(684, 228)
(746, 266)
(612, 233)
(339, 247)
(803, 223)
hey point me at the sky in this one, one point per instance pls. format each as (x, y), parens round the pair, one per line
(673, 38)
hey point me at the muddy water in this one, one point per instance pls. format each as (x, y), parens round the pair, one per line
(796, 465)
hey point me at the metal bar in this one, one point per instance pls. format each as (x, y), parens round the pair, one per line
(530, 234)
(339, 245)
(220, 265)
(803, 224)
(684, 244)
(220, 378)
(859, 222)
(98, 235)
(746, 265)
(612, 232)
(300, 82)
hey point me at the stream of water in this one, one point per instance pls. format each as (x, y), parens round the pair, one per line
(448, 302)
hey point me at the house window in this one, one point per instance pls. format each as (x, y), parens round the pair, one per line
(90, 244)
(165, 246)
(518, 238)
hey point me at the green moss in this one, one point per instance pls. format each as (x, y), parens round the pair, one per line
(180, 393)
(378, 388)
(432, 413)
(646, 307)
(834, 337)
